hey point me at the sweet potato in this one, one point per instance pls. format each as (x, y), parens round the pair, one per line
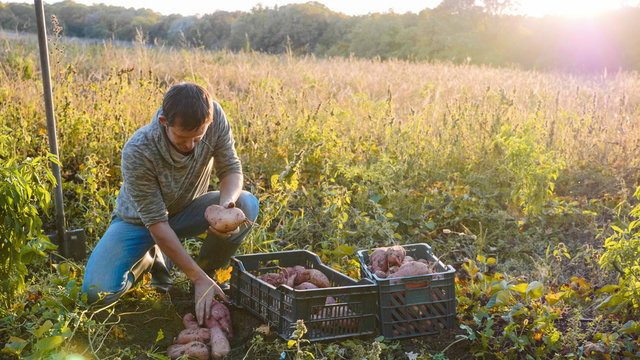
(190, 321)
(300, 273)
(317, 278)
(193, 349)
(274, 278)
(395, 255)
(224, 219)
(378, 259)
(305, 286)
(220, 316)
(412, 269)
(219, 343)
(190, 335)
(381, 274)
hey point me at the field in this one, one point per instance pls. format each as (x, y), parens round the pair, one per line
(516, 178)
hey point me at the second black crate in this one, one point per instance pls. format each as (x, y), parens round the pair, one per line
(414, 305)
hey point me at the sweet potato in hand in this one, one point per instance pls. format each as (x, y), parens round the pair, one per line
(224, 220)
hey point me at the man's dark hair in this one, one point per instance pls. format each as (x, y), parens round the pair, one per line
(188, 102)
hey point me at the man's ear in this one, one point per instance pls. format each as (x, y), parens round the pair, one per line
(163, 120)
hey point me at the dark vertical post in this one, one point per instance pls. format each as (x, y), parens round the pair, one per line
(51, 126)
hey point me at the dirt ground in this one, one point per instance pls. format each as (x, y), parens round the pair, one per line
(141, 318)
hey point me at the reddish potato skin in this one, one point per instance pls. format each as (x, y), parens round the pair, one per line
(190, 321)
(378, 260)
(190, 335)
(219, 343)
(273, 278)
(298, 272)
(412, 269)
(305, 286)
(396, 255)
(381, 274)
(221, 317)
(193, 349)
(317, 278)
(224, 219)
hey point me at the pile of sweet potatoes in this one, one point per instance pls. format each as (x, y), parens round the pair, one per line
(300, 278)
(393, 262)
(200, 342)
(297, 277)
(412, 318)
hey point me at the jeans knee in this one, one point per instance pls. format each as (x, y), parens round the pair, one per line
(249, 205)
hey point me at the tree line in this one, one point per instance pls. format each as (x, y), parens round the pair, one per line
(459, 31)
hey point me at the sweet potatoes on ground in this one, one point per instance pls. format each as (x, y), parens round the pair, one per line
(193, 349)
(189, 335)
(219, 343)
(198, 342)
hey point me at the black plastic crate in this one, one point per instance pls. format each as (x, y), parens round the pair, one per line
(354, 313)
(414, 305)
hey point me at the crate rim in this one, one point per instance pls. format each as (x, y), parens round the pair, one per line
(356, 283)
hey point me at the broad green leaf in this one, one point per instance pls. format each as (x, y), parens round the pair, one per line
(43, 328)
(498, 286)
(630, 327)
(521, 288)
(49, 343)
(14, 346)
(343, 250)
(535, 289)
(612, 301)
(503, 298)
(608, 289)
(500, 298)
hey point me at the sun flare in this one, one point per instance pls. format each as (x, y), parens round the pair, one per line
(569, 8)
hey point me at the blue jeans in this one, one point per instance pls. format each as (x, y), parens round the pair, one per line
(109, 274)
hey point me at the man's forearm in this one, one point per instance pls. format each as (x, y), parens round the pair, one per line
(230, 188)
(169, 243)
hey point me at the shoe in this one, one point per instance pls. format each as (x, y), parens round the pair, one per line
(160, 271)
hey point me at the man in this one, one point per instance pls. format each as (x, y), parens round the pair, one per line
(166, 167)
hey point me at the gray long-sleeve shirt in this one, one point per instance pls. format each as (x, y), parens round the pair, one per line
(158, 182)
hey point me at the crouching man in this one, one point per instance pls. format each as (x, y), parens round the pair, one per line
(166, 166)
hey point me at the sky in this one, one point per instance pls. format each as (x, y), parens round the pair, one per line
(571, 8)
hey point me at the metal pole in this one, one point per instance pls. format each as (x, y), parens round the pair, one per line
(51, 125)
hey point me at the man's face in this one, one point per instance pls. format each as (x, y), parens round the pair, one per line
(184, 140)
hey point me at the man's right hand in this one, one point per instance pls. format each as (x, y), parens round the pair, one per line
(205, 291)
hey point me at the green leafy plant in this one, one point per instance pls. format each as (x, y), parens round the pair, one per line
(25, 188)
(623, 254)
